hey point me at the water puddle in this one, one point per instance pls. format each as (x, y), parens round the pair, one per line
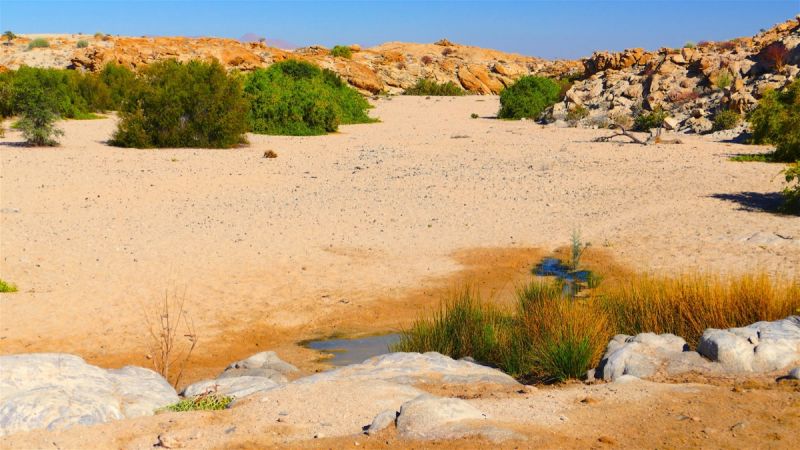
(354, 351)
(574, 280)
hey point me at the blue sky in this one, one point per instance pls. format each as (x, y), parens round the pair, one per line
(550, 29)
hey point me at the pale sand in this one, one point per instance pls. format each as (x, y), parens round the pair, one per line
(321, 238)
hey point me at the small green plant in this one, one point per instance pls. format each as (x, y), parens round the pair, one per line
(791, 193)
(474, 115)
(99, 35)
(647, 121)
(576, 114)
(206, 402)
(341, 51)
(528, 97)
(432, 88)
(776, 121)
(82, 44)
(724, 79)
(726, 120)
(577, 247)
(9, 36)
(689, 44)
(7, 287)
(38, 43)
(38, 117)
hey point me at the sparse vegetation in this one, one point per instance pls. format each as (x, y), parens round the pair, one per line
(432, 88)
(474, 115)
(38, 43)
(726, 120)
(194, 104)
(723, 79)
(38, 116)
(791, 193)
(9, 36)
(172, 337)
(426, 59)
(648, 120)
(528, 97)
(82, 44)
(298, 98)
(576, 114)
(689, 44)
(341, 51)
(776, 121)
(207, 402)
(7, 287)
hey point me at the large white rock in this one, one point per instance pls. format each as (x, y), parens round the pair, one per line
(237, 387)
(646, 355)
(264, 360)
(53, 391)
(760, 347)
(413, 368)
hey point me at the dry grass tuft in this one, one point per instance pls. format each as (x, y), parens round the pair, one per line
(172, 337)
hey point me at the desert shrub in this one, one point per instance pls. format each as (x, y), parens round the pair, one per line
(474, 116)
(120, 81)
(791, 193)
(65, 90)
(576, 114)
(341, 51)
(776, 121)
(647, 120)
(7, 287)
(723, 79)
(9, 36)
(689, 44)
(775, 55)
(726, 120)
(688, 304)
(82, 44)
(194, 104)
(99, 35)
(37, 111)
(38, 43)
(680, 97)
(298, 98)
(430, 87)
(528, 97)
(447, 51)
(426, 59)
(208, 402)
(7, 94)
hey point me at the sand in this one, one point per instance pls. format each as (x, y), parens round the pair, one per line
(354, 232)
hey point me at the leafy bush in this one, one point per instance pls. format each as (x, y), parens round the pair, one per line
(791, 193)
(474, 115)
(38, 116)
(726, 120)
(298, 98)
(38, 43)
(776, 121)
(208, 402)
(341, 51)
(121, 83)
(689, 44)
(430, 87)
(653, 119)
(724, 79)
(528, 97)
(5, 286)
(9, 36)
(196, 104)
(82, 44)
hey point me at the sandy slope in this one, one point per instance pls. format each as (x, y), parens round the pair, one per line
(334, 233)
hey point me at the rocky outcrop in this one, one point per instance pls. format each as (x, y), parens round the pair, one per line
(691, 84)
(258, 373)
(54, 391)
(428, 417)
(760, 347)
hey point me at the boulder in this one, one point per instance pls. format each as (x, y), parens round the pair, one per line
(428, 417)
(760, 347)
(794, 374)
(647, 355)
(700, 125)
(264, 360)
(237, 387)
(382, 421)
(56, 391)
(413, 368)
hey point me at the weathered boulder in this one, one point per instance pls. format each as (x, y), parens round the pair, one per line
(429, 417)
(382, 421)
(54, 391)
(237, 387)
(646, 355)
(264, 360)
(760, 347)
(413, 368)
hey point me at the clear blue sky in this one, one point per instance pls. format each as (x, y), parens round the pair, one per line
(550, 29)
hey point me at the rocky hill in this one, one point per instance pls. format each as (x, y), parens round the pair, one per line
(690, 84)
(391, 67)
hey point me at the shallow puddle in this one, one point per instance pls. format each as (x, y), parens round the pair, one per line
(573, 280)
(354, 351)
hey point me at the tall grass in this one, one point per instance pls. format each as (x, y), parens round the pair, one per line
(552, 337)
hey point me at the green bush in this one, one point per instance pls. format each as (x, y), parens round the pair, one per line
(653, 119)
(577, 113)
(432, 88)
(7, 287)
(341, 51)
(194, 104)
(528, 97)
(726, 120)
(300, 99)
(82, 44)
(724, 79)
(38, 43)
(71, 93)
(776, 121)
(38, 116)
(121, 83)
(208, 402)
(791, 194)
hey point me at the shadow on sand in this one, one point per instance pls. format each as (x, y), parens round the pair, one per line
(754, 201)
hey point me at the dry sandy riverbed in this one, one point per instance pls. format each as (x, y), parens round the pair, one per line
(352, 233)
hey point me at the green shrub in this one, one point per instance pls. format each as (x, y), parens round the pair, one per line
(208, 402)
(726, 120)
(528, 97)
(653, 119)
(9, 36)
(689, 44)
(724, 79)
(577, 113)
(82, 44)
(791, 193)
(474, 115)
(38, 43)
(38, 116)
(5, 286)
(194, 104)
(298, 98)
(776, 121)
(341, 51)
(121, 83)
(432, 88)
